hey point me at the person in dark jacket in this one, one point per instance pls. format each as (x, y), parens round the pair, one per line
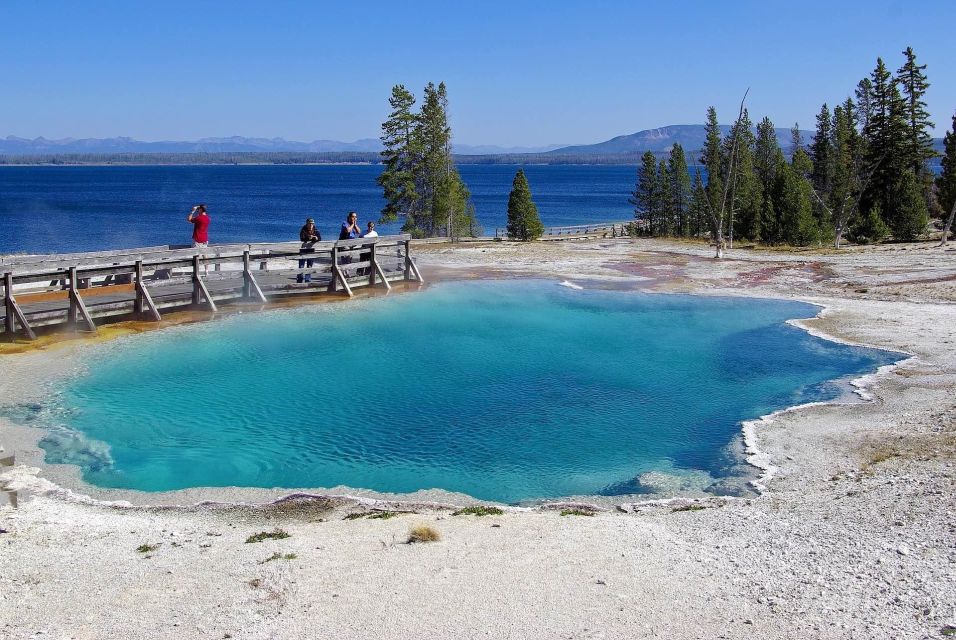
(309, 235)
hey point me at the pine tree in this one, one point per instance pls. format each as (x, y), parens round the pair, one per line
(946, 181)
(680, 190)
(435, 139)
(420, 178)
(766, 150)
(864, 103)
(523, 221)
(918, 144)
(745, 187)
(698, 207)
(797, 226)
(848, 170)
(909, 219)
(868, 228)
(398, 155)
(644, 196)
(885, 135)
(766, 154)
(664, 201)
(821, 152)
(713, 159)
(821, 175)
(796, 138)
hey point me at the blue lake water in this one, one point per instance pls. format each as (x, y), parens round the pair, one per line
(503, 390)
(62, 209)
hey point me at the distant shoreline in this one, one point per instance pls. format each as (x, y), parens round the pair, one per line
(299, 159)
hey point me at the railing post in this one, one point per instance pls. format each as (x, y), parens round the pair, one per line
(9, 321)
(71, 314)
(371, 266)
(408, 261)
(335, 269)
(138, 304)
(197, 292)
(76, 304)
(246, 285)
(14, 313)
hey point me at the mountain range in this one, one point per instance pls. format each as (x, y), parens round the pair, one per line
(690, 136)
(658, 141)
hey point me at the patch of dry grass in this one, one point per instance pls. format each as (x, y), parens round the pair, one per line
(423, 533)
(276, 534)
(479, 510)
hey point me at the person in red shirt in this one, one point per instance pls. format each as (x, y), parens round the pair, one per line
(200, 220)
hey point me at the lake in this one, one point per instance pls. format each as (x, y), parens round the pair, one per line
(62, 209)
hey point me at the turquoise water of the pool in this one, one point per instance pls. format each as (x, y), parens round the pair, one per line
(506, 390)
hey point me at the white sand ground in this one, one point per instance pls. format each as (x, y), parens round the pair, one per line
(855, 536)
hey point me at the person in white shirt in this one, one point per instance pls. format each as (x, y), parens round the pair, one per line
(370, 232)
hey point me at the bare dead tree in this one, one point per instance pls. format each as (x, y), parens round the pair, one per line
(849, 204)
(717, 217)
(949, 224)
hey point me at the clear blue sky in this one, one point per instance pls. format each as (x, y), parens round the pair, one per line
(518, 72)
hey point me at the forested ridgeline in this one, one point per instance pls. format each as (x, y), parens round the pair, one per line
(865, 175)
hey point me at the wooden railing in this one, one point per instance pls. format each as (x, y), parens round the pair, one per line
(74, 289)
(600, 229)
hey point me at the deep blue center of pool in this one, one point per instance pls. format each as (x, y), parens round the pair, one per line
(505, 391)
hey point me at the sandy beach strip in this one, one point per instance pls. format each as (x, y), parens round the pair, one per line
(854, 536)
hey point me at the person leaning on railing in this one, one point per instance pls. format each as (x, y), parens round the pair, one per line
(309, 235)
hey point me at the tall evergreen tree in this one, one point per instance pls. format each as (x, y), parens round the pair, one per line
(698, 212)
(644, 196)
(909, 217)
(796, 139)
(864, 104)
(849, 173)
(665, 206)
(792, 201)
(435, 139)
(523, 221)
(399, 154)
(918, 143)
(745, 188)
(766, 152)
(946, 182)
(420, 178)
(680, 190)
(712, 157)
(821, 152)
(885, 136)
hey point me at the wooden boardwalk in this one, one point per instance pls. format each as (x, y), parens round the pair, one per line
(77, 290)
(578, 231)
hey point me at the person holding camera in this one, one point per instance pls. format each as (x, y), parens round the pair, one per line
(309, 235)
(200, 221)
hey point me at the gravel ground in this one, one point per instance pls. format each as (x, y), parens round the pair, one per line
(854, 537)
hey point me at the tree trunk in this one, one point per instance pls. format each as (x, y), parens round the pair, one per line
(838, 238)
(949, 224)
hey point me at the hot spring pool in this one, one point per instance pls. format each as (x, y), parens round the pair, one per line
(505, 391)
